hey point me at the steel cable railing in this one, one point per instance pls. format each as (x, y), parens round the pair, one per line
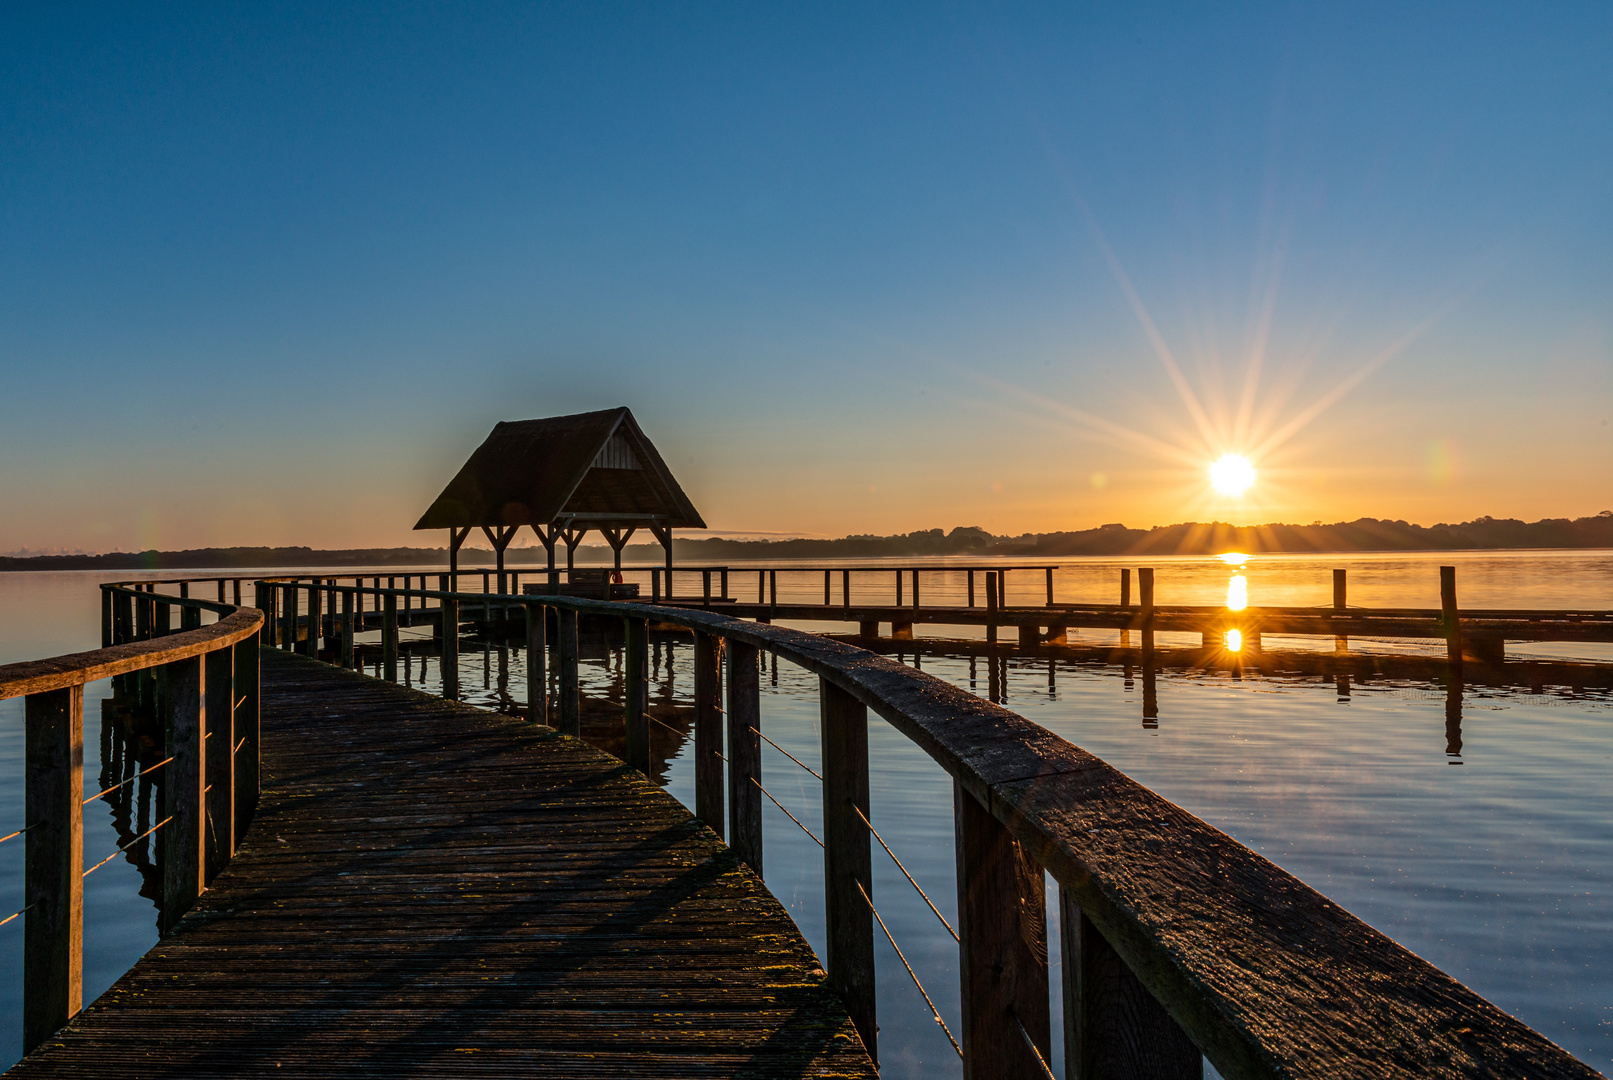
(787, 813)
(147, 771)
(910, 972)
(125, 847)
(905, 874)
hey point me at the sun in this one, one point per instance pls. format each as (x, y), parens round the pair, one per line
(1232, 475)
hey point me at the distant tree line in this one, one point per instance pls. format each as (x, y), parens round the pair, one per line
(1189, 538)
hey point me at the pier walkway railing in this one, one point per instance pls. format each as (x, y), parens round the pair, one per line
(203, 681)
(1177, 940)
(1035, 605)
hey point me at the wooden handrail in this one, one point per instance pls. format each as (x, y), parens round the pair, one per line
(76, 669)
(209, 686)
(1226, 952)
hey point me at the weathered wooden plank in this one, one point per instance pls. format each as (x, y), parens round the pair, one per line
(466, 895)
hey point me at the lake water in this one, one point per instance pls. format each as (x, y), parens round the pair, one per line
(1492, 857)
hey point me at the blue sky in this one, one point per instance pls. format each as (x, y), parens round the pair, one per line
(268, 274)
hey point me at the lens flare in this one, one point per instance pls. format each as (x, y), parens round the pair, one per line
(1232, 475)
(1234, 640)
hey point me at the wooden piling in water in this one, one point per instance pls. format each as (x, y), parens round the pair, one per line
(636, 659)
(847, 858)
(570, 703)
(53, 875)
(537, 664)
(1002, 946)
(745, 754)
(218, 712)
(184, 801)
(1113, 1027)
(708, 720)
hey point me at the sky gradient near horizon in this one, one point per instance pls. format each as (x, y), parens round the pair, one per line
(269, 274)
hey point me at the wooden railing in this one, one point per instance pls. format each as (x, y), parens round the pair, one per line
(203, 681)
(1177, 940)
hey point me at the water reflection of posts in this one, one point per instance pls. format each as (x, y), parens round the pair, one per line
(1150, 693)
(1341, 643)
(1453, 719)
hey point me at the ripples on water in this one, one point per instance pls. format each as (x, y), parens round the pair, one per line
(1495, 863)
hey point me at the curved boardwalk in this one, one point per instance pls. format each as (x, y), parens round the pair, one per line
(430, 889)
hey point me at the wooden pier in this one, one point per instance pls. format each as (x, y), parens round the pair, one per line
(432, 889)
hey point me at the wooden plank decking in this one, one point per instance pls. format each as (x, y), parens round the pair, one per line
(431, 889)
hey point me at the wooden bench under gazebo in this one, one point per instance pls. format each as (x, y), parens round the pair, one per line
(562, 476)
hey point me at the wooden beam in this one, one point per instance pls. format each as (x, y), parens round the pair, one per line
(219, 716)
(537, 663)
(744, 754)
(1002, 950)
(848, 880)
(708, 778)
(53, 875)
(1114, 1029)
(635, 657)
(570, 706)
(184, 804)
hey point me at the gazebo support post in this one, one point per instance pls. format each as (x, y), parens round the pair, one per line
(456, 537)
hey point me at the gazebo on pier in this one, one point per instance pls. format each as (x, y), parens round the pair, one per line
(562, 476)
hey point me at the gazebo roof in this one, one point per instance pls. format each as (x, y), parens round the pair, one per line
(591, 469)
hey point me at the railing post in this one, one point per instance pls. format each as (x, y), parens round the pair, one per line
(219, 712)
(311, 644)
(53, 886)
(347, 630)
(570, 702)
(991, 607)
(248, 725)
(183, 843)
(705, 588)
(655, 585)
(288, 618)
(971, 579)
(744, 754)
(1145, 598)
(845, 589)
(162, 618)
(1341, 642)
(450, 649)
(708, 649)
(537, 663)
(772, 589)
(190, 618)
(899, 589)
(636, 658)
(1114, 1029)
(1049, 586)
(847, 863)
(1002, 949)
(826, 581)
(106, 618)
(915, 588)
(122, 619)
(389, 635)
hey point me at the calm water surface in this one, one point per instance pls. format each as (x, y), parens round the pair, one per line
(1495, 863)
